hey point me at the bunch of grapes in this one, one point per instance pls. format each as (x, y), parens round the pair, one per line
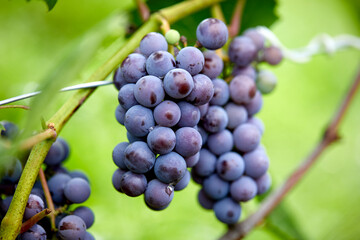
(66, 188)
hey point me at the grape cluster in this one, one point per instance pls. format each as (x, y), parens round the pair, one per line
(233, 165)
(66, 188)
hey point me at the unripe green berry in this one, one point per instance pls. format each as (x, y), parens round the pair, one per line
(172, 36)
(266, 81)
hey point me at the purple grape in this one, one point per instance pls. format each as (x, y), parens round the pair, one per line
(79, 174)
(139, 158)
(195, 177)
(10, 130)
(192, 160)
(190, 115)
(204, 200)
(178, 83)
(77, 190)
(72, 227)
(203, 90)
(220, 142)
(13, 172)
(58, 152)
(243, 189)
(237, 115)
(242, 51)
(88, 236)
(213, 65)
(5, 203)
(86, 214)
(242, 89)
(207, 163)
(36, 232)
(258, 123)
(34, 205)
(131, 138)
(256, 163)
(247, 71)
(133, 184)
(116, 178)
(246, 137)
(184, 181)
(256, 37)
(158, 195)
(188, 141)
(159, 63)
(149, 91)
(230, 166)
(120, 114)
(212, 33)
(204, 134)
(153, 42)
(170, 168)
(221, 92)
(133, 67)
(263, 183)
(203, 109)
(167, 113)
(215, 188)
(255, 105)
(227, 211)
(191, 59)
(272, 55)
(126, 96)
(215, 119)
(139, 120)
(161, 140)
(118, 79)
(56, 186)
(118, 155)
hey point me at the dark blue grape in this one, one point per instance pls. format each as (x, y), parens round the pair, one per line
(133, 184)
(215, 119)
(161, 140)
(213, 65)
(13, 172)
(167, 114)
(247, 71)
(246, 137)
(255, 105)
(126, 96)
(195, 177)
(139, 158)
(204, 134)
(207, 163)
(153, 42)
(204, 200)
(139, 120)
(77, 190)
(36, 232)
(170, 168)
(203, 90)
(256, 37)
(160, 63)
(5, 203)
(203, 109)
(242, 89)
(215, 187)
(183, 182)
(212, 33)
(86, 214)
(191, 59)
(272, 55)
(58, 152)
(149, 91)
(131, 138)
(190, 115)
(10, 130)
(243, 189)
(178, 83)
(118, 79)
(263, 183)
(258, 123)
(230, 166)
(79, 174)
(221, 92)
(242, 51)
(116, 178)
(72, 227)
(158, 195)
(256, 163)
(120, 114)
(220, 142)
(192, 160)
(133, 67)
(56, 186)
(188, 141)
(38, 192)
(227, 211)
(118, 155)
(34, 205)
(237, 115)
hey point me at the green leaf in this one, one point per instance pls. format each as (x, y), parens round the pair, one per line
(50, 4)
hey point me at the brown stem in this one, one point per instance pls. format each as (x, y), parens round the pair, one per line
(32, 141)
(34, 219)
(143, 10)
(15, 106)
(331, 135)
(235, 23)
(48, 197)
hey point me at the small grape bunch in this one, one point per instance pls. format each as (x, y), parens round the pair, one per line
(160, 100)
(66, 188)
(232, 166)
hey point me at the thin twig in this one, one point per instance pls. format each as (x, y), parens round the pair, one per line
(34, 219)
(235, 23)
(32, 141)
(143, 9)
(240, 230)
(48, 197)
(15, 106)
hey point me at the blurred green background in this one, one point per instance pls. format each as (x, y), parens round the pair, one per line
(325, 205)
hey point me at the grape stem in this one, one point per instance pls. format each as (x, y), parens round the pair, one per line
(11, 223)
(16, 106)
(235, 23)
(32, 141)
(48, 197)
(241, 229)
(34, 219)
(143, 9)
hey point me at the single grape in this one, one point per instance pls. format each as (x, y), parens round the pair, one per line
(79, 174)
(138, 157)
(172, 36)
(138, 120)
(36, 232)
(161, 140)
(34, 205)
(5, 203)
(170, 168)
(160, 63)
(190, 115)
(203, 109)
(242, 51)
(10, 130)
(149, 91)
(266, 81)
(120, 114)
(227, 211)
(158, 195)
(133, 184)
(88, 236)
(212, 33)
(133, 67)
(207, 163)
(247, 71)
(192, 160)
(126, 96)
(184, 181)
(230, 166)
(256, 37)
(178, 83)
(116, 178)
(255, 105)
(215, 187)
(263, 183)
(237, 115)
(167, 113)
(195, 177)
(13, 172)
(246, 137)
(77, 190)
(58, 152)
(38, 192)
(204, 134)
(131, 138)
(86, 214)
(204, 200)
(242, 89)
(213, 65)
(221, 92)
(118, 79)
(191, 59)
(258, 123)
(243, 189)
(153, 42)
(220, 142)
(256, 163)
(272, 55)
(188, 141)
(215, 119)
(118, 155)
(203, 90)
(72, 227)
(56, 186)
